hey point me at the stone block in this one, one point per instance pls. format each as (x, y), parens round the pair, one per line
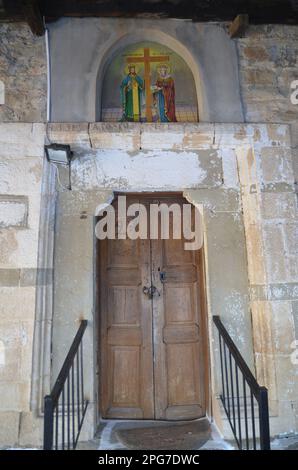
(18, 248)
(291, 238)
(295, 316)
(170, 137)
(255, 53)
(20, 176)
(283, 291)
(279, 206)
(267, 135)
(23, 70)
(17, 339)
(15, 396)
(255, 254)
(287, 378)
(257, 77)
(13, 211)
(266, 376)
(198, 135)
(9, 428)
(74, 134)
(219, 200)
(231, 135)
(294, 134)
(10, 366)
(83, 204)
(279, 134)
(125, 136)
(230, 170)
(148, 170)
(276, 165)
(274, 251)
(17, 303)
(18, 140)
(283, 331)
(261, 312)
(176, 136)
(9, 277)
(31, 430)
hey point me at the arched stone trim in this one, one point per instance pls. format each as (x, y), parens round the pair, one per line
(113, 49)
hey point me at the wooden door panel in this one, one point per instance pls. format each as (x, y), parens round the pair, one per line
(183, 334)
(126, 370)
(174, 253)
(178, 302)
(126, 330)
(124, 303)
(124, 336)
(182, 376)
(122, 252)
(180, 273)
(178, 372)
(123, 276)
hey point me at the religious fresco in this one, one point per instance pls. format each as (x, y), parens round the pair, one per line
(148, 82)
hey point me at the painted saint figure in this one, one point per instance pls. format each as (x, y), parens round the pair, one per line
(131, 91)
(164, 94)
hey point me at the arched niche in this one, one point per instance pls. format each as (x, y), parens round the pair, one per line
(165, 43)
(148, 82)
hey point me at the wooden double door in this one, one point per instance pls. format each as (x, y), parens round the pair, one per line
(152, 351)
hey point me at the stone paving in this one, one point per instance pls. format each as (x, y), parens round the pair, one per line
(149, 435)
(188, 435)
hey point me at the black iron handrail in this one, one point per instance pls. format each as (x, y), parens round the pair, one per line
(65, 418)
(243, 424)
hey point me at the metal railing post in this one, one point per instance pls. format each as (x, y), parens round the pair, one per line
(264, 419)
(69, 395)
(48, 423)
(256, 393)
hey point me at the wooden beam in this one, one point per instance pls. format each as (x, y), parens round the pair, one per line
(33, 17)
(259, 11)
(238, 26)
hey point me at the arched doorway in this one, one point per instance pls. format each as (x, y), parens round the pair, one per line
(153, 343)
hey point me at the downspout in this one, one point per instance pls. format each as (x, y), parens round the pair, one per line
(47, 43)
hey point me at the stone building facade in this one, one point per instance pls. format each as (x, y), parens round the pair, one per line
(237, 165)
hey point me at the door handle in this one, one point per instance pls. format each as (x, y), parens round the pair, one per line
(150, 291)
(162, 276)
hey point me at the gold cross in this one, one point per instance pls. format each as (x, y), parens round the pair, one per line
(146, 60)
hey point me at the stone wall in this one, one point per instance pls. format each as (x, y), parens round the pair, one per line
(21, 160)
(268, 61)
(22, 73)
(268, 64)
(229, 170)
(241, 175)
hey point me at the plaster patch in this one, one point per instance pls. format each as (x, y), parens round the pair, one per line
(13, 212)
(150, 170)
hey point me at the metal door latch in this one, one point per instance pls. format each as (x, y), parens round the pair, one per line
(150, 291)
